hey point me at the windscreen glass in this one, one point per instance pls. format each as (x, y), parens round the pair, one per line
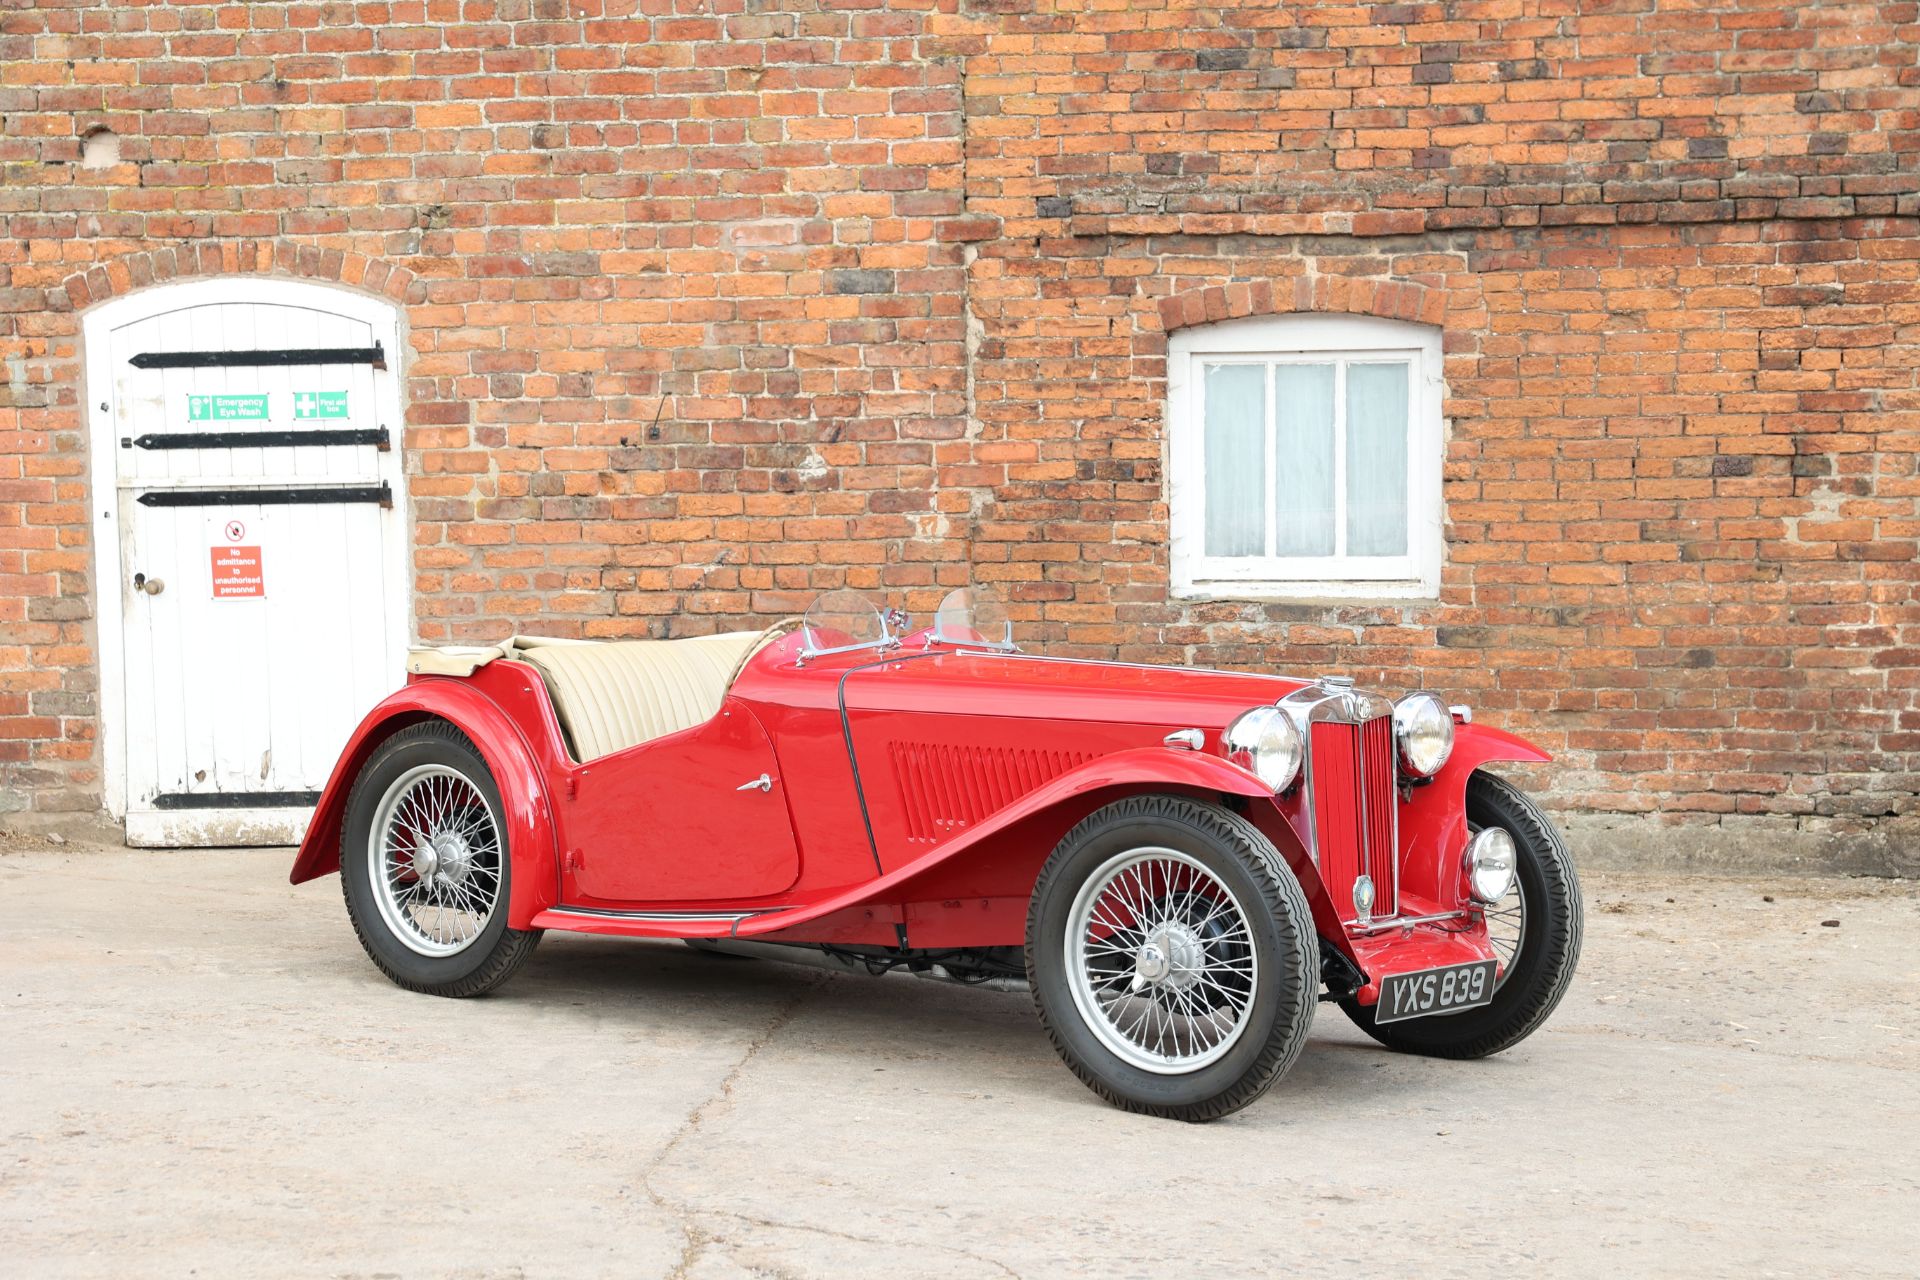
(844, 619)
(972, 616)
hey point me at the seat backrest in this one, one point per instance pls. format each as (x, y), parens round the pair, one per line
(621, 693)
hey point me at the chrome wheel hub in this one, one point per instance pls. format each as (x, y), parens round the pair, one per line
(1172, 957)
(445, 855)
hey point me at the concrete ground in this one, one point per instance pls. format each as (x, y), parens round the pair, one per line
(201, 1074)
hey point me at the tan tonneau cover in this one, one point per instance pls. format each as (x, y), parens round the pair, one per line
(613, 694)
(464, 660)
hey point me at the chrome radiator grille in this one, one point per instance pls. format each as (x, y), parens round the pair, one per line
(1354, 811)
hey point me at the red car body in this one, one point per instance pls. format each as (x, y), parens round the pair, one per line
(908, 799)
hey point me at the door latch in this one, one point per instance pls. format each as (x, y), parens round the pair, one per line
(152, 586)
(761, 783)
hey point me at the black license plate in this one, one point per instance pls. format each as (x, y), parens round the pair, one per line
(1429, 991)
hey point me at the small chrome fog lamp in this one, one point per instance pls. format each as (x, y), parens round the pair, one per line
(1363, 899)
(1490, 865)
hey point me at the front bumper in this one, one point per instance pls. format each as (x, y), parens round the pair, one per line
(1409, 948)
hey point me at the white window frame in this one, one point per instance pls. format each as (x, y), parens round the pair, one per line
(1305, 338)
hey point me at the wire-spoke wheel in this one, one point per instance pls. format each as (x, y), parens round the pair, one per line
(1172, 957)
(1160, 960)
(425, 865)
(1534, 931)
(438, 876)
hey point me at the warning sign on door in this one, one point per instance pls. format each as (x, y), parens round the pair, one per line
(237, 573)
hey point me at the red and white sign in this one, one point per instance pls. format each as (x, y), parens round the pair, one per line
(237, 573)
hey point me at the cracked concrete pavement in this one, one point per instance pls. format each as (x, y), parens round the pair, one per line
(201, 1074)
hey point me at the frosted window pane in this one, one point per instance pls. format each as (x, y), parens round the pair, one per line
(1303, 467)
(1376, 459)
(1236, 442)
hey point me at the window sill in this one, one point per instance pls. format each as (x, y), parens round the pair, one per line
(1338, 592)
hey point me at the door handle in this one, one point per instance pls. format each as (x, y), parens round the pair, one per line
(152, 586)
(761, 783)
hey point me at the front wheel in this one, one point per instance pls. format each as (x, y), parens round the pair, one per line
(1172, 958)
(1535, 931)
(424, 865)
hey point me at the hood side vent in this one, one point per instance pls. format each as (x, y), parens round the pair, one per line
(945, 789)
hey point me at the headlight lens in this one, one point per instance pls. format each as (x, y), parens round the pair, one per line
(1490, 865)
(1266, 741)
(1423, 727)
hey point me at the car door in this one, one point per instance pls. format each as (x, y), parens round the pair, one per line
(696, 816)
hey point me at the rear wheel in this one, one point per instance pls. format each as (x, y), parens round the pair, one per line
(1535, 931)
(425, 868)
(1172, 958)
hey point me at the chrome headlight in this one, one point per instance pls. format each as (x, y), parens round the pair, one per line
(1423, 728)
(1266, 741)
(1491, 862)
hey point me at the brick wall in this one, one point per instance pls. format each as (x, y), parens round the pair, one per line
(714, 305)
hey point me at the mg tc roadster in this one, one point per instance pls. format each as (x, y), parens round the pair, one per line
(1179, 863)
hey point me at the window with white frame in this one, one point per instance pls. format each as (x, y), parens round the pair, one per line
(1304, 457)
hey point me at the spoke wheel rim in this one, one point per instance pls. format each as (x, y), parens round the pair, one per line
(1506, 922)
(436, 860)
(1161, 961)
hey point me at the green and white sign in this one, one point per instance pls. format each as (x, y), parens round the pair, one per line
(319, 404)
(249, 408)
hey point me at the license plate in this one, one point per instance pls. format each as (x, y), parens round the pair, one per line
(1429, 991)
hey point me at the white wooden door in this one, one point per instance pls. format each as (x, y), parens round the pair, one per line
(256, 525)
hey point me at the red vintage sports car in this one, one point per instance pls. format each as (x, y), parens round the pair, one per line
(1179, 862)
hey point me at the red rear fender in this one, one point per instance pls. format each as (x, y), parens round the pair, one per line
(515, 765)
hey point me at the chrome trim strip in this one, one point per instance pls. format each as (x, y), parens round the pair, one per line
(1407, 922)
(1393, 789)
(1133, 666)
(1365, 826)
(666, 917)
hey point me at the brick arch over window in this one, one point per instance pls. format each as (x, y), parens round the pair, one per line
(1388, 299)
(133, 271)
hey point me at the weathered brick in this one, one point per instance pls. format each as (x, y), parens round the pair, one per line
(709, 312)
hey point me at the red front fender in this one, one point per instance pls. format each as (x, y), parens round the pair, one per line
(530, 832)
(1433, 825)
(973, 889)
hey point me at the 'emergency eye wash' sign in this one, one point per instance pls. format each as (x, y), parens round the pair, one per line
(247, 408)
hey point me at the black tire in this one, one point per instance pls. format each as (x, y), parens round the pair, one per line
(1284, 947)
(1549, 944)
(493, 955)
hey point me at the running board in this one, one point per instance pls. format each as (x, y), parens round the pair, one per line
(649, 924)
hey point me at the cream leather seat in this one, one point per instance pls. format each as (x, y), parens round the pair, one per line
(620, 693)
